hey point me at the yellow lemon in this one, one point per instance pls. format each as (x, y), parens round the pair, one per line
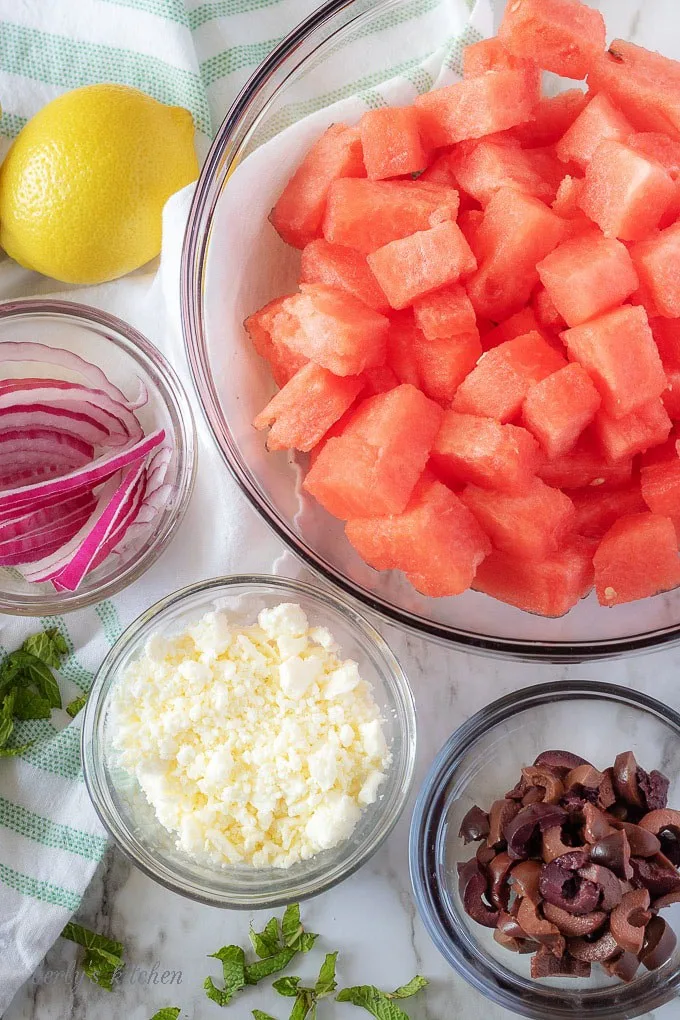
(82, 187)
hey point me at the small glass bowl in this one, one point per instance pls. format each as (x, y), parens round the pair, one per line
(129, 817)
(127, 358)
(478, 764)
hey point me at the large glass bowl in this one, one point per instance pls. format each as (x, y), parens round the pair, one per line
(477, 765)
(233, 383)
(130, 819)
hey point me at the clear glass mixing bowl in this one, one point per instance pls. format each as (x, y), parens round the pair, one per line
(233, 382)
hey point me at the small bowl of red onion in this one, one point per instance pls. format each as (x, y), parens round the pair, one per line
(97, 456)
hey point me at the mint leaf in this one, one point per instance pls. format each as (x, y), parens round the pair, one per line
(416, 984)
(13, 752)
(255, 972)
(266, 942)
(42, 677)
(73, 708)
(100, 971)
(326, 982)
(29, 705)
(373, 1001)
(168, 1013)
(6, 720)
(291, 926)
(287, 986)
(259, 1015)
(48, 646)
(306, 942)
(233, 964)
(103, 956)
(305, 1005)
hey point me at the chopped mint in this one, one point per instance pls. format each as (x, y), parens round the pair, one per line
(168, 1013)
(287, 986)
(103, 956)
(75, 706)
(233, 967)
(259, 1015)
(255, 972)
(381, 1004)
(268, 941)
(415, 985)
(306, 999)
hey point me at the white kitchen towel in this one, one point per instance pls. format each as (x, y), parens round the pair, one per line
(196, 55)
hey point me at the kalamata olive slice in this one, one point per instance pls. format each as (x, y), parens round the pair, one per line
(485, 854)
(574, 924)
(502, 811)
(625, 779)
(534, 795)
(553, 845)
(624, 967)
(510, 926)
(538, 928)
(659, 944)
(498, 872)
(560, 760)
(642, 843)
(595, 824)
(472, 886)
(664, 823)
(614, 853)
(521, 830)
(475, 826)
(544, 964)
(518, 790)
(547, 779)
(656, 874)
(525, 878)
(609, 885)
(592, 785)
(515, 945)
(653, 789)
(627, 921)
(594, 951)
(565, 888)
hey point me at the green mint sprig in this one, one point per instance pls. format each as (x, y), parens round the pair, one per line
(306, 999)
(103, 956)
(381, 1004)
(28, 687)
(167, 1013)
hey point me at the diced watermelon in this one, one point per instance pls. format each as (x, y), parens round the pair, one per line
(657, 262)
(413, 266)
(391, 142)
(519, 324)
(440, 172)
(586, 467)
(485, 453)
(517, 231)
(588, 275)
(665, 151)
(476, 107)
(558, 409)
(597, 510)
(484, 166)
(618, 352)
(547, 587)
(302, 412)
(298, 214)
(638, 557)
(436, 366)
(600, 120)
(402, 341)
(660, 485)
(643, 84)
(552, 117)
(549, 319)
(663, 452)
(497, 386)
(337, 429)
(372, 468)
(667, 335)
(625, 193)
(445, 313)
(379, 380)
(491, 55)
(563, 36)
(283, 361)
(436, 540)
(566, 200)
(366, 215)
(533, 524)
(470, 221)
(341, 267)
(622, 438)
(335, 329)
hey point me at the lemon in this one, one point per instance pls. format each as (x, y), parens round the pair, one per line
(82, 187)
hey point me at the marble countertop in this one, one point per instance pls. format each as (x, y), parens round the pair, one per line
(371, 919)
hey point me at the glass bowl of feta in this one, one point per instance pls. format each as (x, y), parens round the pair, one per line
(250, 741)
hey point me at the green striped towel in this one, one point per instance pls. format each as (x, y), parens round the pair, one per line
(195, 54)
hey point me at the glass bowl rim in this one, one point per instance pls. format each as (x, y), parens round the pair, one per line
(425, 823)
(133, 343)
(193, 263)
(98, 788)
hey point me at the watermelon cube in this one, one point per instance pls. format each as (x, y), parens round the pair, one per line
(586, 467)
(517, 231)
(643, 84)
(476, 107)
(637, 557)
(660, 485)
(436, 541)
(558, 409)
(436, 366)
(344, 268)
(485, 453)
(379, 380)
(657, 262)
(662, 453)
(553, 116)
(391, 142)
(566, 200)
(302, 412)
(298, 214)
(622, 438)
(547, 587)
(665, 151)
(283, 361)
(497, 386)
(598, 509)
(470, 221)
(445, 313)
(600, 120)
(550, 321)
(440, 172)
(408, 268)
(624, 192)
(484, 166)
(588, 275)
(335, 329)
(563, 36)
(667, 335)
(531, 525)
(402, 340)
(491, 55)
(618, 352)
(365, 215)
(518, 324)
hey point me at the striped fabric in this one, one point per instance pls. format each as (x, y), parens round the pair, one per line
(196, 54)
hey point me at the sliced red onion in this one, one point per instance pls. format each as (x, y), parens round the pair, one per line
(41, 354)
(92, 425)
(64, 394)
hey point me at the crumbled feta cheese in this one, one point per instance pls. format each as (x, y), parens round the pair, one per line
(254, 745)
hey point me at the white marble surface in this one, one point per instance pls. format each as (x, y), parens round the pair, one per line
(371, 918)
